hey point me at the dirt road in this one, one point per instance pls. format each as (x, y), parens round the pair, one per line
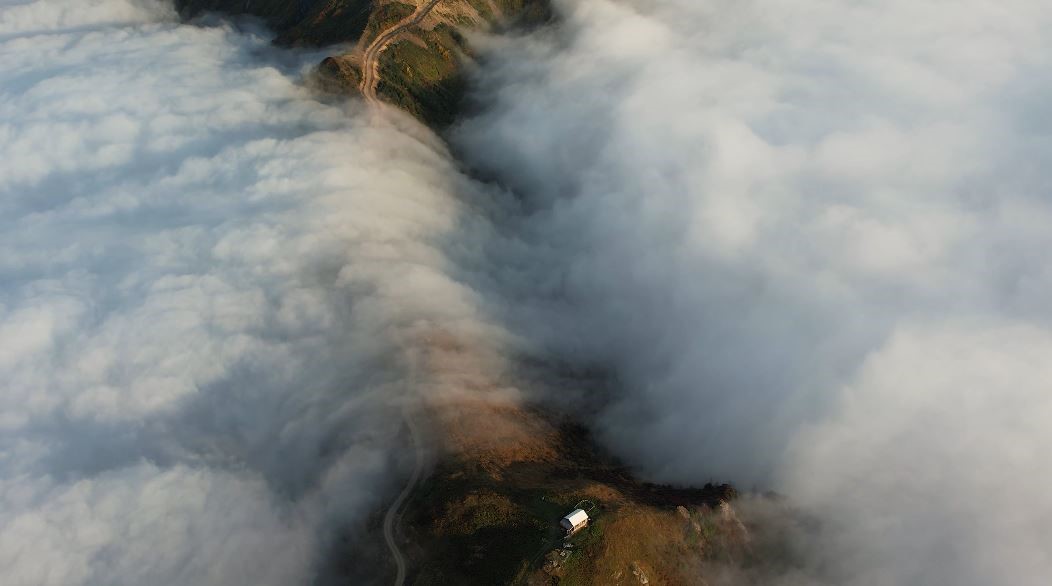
(393, 518)
(371, 59)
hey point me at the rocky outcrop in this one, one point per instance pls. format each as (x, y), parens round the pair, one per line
(421, 69)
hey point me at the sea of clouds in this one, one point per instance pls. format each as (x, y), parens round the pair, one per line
(213, 294)
(808, 239)
(811, 240)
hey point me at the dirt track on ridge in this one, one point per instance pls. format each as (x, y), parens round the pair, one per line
(371, 59)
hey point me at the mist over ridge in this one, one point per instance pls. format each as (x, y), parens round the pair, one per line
(808, 238)
(804, 240)
(215, 299)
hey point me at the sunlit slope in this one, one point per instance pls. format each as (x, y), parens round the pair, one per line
(421, 69)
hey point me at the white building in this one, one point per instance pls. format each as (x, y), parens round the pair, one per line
(574, 521)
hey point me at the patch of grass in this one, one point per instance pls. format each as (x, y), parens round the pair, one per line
(544, 508)
(427, 81)
(384, 17)
(329, 22)
(472, 524)
(299, 23)
(338, 75)
(478, 511)
(483, 8)
(709, 529)
(526, 12)
(579, 567)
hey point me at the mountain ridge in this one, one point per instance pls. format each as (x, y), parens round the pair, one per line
(502, 472)
(421, 70)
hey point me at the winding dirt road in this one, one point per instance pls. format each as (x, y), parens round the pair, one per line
(371, 59)
(394, 516)
(370, 80)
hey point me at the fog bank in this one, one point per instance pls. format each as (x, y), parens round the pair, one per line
(214, 295)
(806, 239)
(809, 240)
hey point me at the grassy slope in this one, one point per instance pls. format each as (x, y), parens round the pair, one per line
(297, 22)
(488, 515)
(428, 82)
(497, 522)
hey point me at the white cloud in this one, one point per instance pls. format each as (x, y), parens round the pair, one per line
(37, 18)
(772, 220)
(210, 290)
(937, 446)
(807, 237)
(146, 525)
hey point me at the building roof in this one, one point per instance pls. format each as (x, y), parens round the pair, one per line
(577, 517)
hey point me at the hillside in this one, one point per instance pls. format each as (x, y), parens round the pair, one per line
(501, 472)
(420, 69)
(500, 477)
(489, 512)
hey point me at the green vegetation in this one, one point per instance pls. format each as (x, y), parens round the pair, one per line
(578, 569)
(473, 524)
(317, 23)
(328, 22)
(424, 75)
(426, 81)
(338, 75)
(475, 530)
(525, 12)
(384, 17)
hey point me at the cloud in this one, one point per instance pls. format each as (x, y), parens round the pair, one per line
(146, 524)
(936, 446)
(23, 18)
(806, 238)
(213, 291)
